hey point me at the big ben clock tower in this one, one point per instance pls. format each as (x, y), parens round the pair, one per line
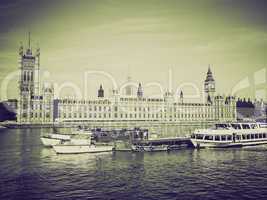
(209, 87)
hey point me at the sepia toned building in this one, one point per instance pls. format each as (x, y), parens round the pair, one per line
(36, 104)
(139, 108)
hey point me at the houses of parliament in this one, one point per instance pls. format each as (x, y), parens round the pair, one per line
(37, 105)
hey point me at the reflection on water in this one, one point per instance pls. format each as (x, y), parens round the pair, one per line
(30, 171)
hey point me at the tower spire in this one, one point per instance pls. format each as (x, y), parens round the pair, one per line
(29, 40)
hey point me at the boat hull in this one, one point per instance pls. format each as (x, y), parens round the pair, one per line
(75, 149)
(212, 144)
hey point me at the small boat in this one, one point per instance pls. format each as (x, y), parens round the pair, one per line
(224, 135)
(55, 138)
(74, 149)
(80, 143)
(160, 144)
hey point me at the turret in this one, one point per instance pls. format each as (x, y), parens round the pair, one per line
(48, 97)
(139, 91)
(181, 97)
(100, 92)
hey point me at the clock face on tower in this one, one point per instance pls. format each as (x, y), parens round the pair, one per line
(209, 86)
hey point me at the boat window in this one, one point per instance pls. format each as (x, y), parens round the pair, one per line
(217, 137)
(238, 137)
(208, 137)
(264, 135)
(223, 137)
(243, 137)
(229, 137)
(221, 126)
(252, 136)
(256, 136)
(193, 136)
(199, 136)
(260, 135)
(248, 136)
(263, 125)
(236, 126)
(253, 126)
(245, 126)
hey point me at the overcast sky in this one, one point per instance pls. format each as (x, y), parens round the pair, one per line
(143, 39)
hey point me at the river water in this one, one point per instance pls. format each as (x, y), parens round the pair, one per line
(30, 171)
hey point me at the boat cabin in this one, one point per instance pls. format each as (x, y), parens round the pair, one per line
(232, 132)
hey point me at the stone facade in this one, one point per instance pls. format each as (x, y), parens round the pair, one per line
(37, 105)
(140, 109)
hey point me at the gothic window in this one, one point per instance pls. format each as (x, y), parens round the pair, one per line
(28, 76)
(24, 76)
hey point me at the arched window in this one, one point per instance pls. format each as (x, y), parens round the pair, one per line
(24, 76)
(28, 76)
(32, 76)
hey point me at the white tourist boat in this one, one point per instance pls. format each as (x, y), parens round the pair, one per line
(80, 143)
(230, 135)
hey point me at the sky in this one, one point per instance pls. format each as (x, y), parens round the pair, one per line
(169, 43)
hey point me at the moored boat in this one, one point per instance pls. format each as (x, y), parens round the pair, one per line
(73, 149)
(54, 138)
(80, 143)
(224, 135)
(160, 144)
